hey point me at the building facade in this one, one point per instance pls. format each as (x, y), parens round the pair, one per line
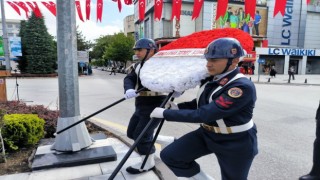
(128, 25)
(290, 38)
(13, 27)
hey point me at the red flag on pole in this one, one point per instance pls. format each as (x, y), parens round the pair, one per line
(88, 8)
(176, 9)
(221, 8)
(99, 10)
(23, 6)
(128, 2)
(308, 2)
(280, 6)
(35, 9)
(197, 8)
(119, 5)
(142, 9)
(78, 6)
(51, 7)
(250, 7)
(15, 7)
(158, 9)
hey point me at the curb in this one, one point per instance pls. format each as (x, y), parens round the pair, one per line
(161, 170)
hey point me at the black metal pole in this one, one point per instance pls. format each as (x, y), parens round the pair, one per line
(125, 158)
(91, 115)
(17, 84)
(153, 141)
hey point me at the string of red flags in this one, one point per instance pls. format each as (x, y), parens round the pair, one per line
(88, 3)
(158, 9)
(280, 6)
(221, 8)
(222, 5)
(99, 10)
(176, 9)
(14, 7)
(142, 9)
(250, 7)
(197, 8)
(51, 6)
(78, 7)
(23, 6)
(35, 8)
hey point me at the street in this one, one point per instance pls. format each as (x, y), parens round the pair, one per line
(284, 115)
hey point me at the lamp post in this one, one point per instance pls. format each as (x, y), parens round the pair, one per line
(5, 38)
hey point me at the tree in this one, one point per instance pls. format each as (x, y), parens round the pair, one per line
(40, 54)
(120, 48)
(22, 62)
(100, 44)
(82, 44)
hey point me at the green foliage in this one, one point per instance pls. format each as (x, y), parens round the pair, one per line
(120, 48)
(99, 47)
(22, 130)
(50, 116)
(39, 52)
(82, 44)
(3, 152)
(22, 63)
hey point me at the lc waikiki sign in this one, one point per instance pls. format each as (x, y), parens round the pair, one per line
(288, 51)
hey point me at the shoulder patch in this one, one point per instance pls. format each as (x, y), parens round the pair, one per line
(235, 92)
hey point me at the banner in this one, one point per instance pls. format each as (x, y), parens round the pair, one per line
(197, 8)
(176, 9)
(88, 8)
(51, 7)
(99, 10)
(15, 46)
(250, 7)
(221, 8)
(142, 9)
(1, 47)
(78, 7)
(15, 7)
(23, 6)
(280, 6)
(158, 9)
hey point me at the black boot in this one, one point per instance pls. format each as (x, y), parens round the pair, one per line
(309, 177)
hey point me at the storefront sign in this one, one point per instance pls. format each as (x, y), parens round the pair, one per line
(288, 51)
(286, 25)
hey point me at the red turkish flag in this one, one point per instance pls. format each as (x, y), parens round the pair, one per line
(51, 6)
(23, 6)
(35, 9)
(78, 6)
(176, 9)
(88, 8)
(280, 6)
(250, 7)
(119, 4)
(197, 8)
(99, 10)
(158, 9)
(142, 9)
(15, 7)
(308, 2)
(128, 2)
(221, 8)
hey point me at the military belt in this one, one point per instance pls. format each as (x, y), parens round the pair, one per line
(228, 130)
(151, 93)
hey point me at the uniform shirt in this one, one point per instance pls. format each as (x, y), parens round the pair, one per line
(234, 103)
(132, 81)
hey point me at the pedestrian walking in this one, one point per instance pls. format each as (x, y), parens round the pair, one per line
(314, 174)
(273, 72)
(113, 70)
(224, 107)
(291, 72)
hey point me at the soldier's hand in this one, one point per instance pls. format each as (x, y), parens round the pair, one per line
(130, 93)
(157, 113)
(173, 106)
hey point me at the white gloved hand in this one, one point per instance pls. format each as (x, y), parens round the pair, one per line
(130, 93)
(173, 106)
(157, 113)
(176, 94)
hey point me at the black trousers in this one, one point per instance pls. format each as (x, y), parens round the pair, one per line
(316, 152)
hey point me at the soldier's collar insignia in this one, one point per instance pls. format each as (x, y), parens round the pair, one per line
(223, 81)
(235, 92)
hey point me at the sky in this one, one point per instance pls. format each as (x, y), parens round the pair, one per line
(112, 19)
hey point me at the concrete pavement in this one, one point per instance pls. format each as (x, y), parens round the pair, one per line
(121, 145)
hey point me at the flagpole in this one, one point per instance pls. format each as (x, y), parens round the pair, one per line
(5, 38)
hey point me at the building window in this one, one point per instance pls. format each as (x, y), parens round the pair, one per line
(18, 26)
(10, 35)
(9, 26)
